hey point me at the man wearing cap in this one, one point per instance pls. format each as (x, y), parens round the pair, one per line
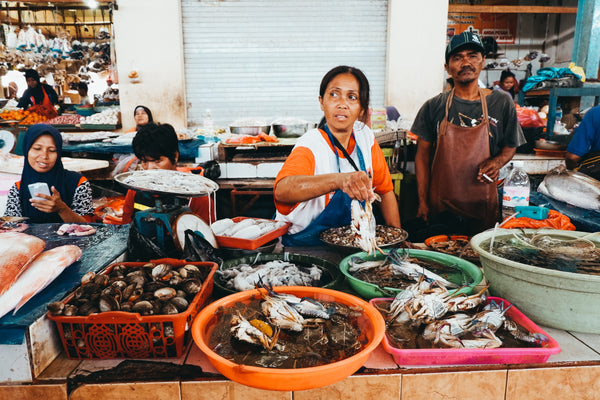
(37, 92)
(463, 142)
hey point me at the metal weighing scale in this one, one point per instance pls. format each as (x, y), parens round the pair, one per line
(158, 222)
(7, 141)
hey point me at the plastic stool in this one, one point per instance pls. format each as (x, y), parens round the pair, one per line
(396, 175)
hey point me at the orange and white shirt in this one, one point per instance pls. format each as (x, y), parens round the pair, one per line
(314, 154)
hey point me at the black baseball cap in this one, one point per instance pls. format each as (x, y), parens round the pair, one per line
(464, 40)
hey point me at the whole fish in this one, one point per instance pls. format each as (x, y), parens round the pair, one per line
(571, 187)
(17, 250)
(40, 273)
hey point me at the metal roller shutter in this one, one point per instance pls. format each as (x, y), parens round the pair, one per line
(266, 58)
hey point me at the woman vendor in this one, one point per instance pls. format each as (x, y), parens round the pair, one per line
(142, 116)
(37, 92)
(70, 198)
(157, 147)
(334, 164)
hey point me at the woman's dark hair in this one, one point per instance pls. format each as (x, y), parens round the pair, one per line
(363, 84)
(156, 140)
(507, 74)
(147, 112)
(82, 86)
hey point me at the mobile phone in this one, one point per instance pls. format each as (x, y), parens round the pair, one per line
(39, 187)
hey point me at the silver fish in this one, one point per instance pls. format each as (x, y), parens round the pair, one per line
(571, 187)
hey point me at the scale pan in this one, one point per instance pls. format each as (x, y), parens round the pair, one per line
(167, 183)
(191, 221)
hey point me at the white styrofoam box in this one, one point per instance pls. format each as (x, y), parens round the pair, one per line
(43, 331)
(268, 170)
(239, 170)
(14, 363)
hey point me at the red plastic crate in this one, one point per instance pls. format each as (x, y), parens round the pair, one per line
(250, 244)
(449, 356)
(119, 334)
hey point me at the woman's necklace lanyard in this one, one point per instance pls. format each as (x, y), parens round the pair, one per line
(336, 143)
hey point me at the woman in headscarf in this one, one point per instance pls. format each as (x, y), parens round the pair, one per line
(70, 198)
(37, 93)
(142, 116)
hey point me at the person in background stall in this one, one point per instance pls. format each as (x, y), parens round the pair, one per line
(507, 83)
(110, 95)
(82, 89)
(142, 116)
(37, 92)
(12, 90)
(71, 192)
(157, 147)
(465, 135)
(331, 165)
(583, 151)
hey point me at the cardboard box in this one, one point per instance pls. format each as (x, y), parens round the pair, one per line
(73, 96)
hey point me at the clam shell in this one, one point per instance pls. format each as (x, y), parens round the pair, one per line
(189, 271)
(164, 294)
(191, 286)
(161, 272)
(169, 309)
(88, 277)
(70, 310)
(56, 308)
(108, 303)
(101, 280)
(143, 307)
(180, 302)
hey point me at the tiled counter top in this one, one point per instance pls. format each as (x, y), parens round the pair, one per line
(572, 374)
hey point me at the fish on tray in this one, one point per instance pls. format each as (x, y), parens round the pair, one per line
(40, 273)
(18, 250)
(76, 230)
(571, 187)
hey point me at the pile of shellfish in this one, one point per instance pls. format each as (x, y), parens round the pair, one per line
(152, 289)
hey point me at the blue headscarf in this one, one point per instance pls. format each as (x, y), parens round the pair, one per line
(64, 181)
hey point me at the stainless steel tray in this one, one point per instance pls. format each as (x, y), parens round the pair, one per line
(167, 183)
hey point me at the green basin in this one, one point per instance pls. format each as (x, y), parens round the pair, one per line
(563, 300)
(330, 278)
(465, 271)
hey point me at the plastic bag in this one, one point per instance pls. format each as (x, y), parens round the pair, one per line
(142, 248)
(529, 118)
(196, 248)
(577, 70)
(124, 163)
(555, 220)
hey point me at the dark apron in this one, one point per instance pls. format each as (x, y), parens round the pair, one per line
(453, 184)
(336, 213)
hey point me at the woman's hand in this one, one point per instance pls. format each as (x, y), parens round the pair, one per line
(357, 185)
(49, 204)
(54, 203)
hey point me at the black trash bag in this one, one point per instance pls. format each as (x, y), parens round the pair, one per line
(142, 248)
(196, 249)
(212, 169)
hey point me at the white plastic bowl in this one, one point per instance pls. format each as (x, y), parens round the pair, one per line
(558, 299)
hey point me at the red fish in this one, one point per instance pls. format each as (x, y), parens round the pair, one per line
(17, 250)
(40, 273)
